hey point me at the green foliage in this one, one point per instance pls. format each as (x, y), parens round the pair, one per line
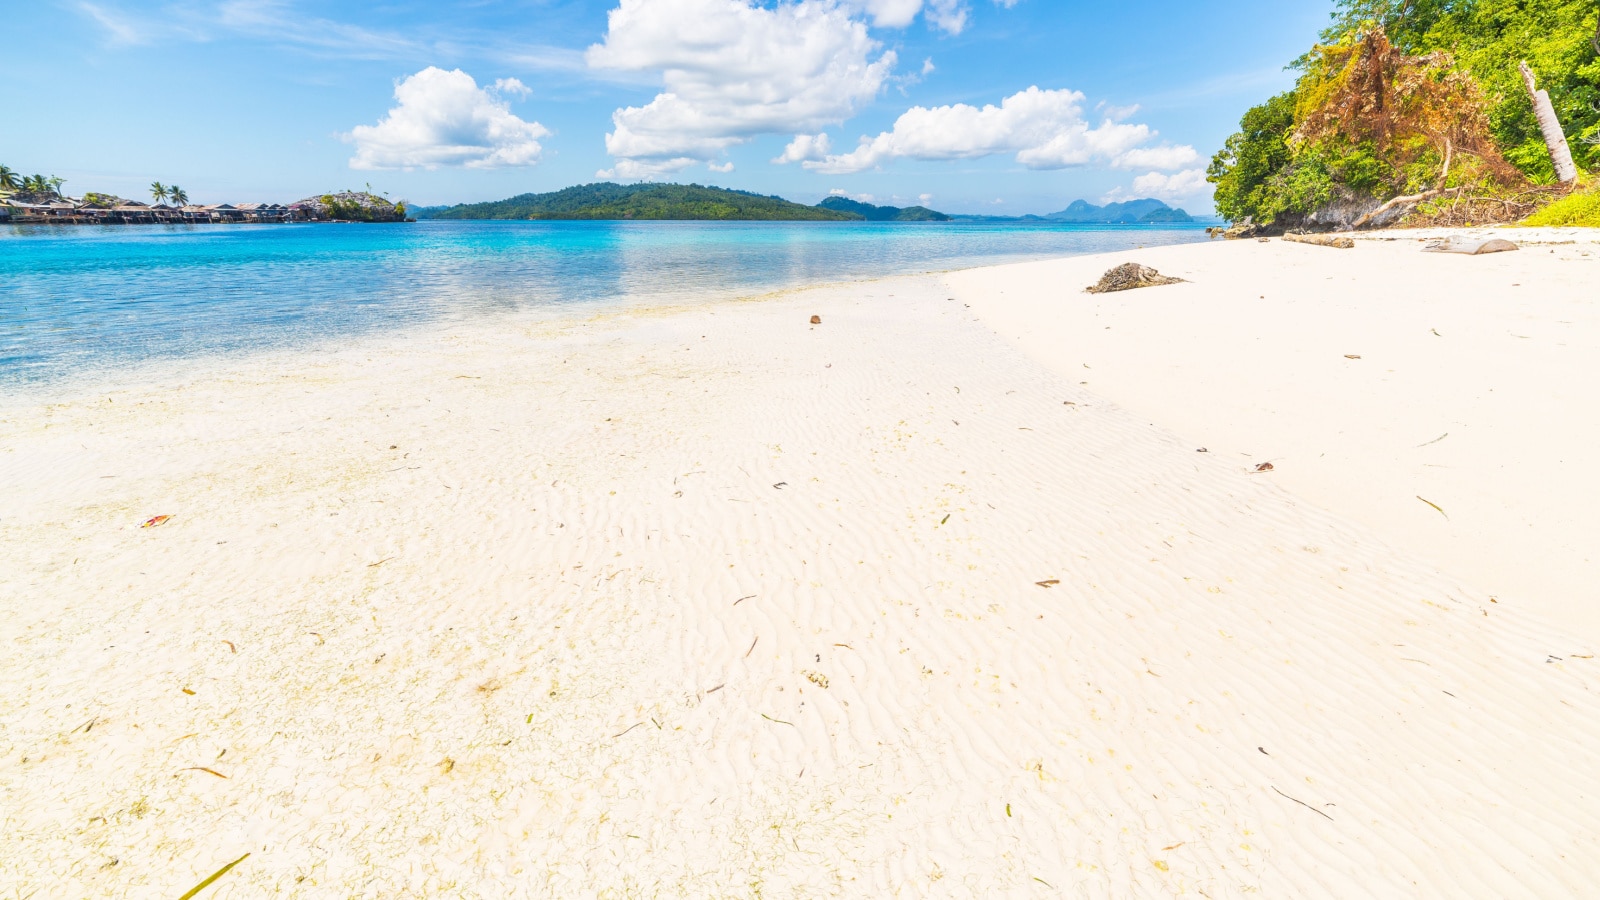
(1580, 209)
(1316, 144)
(1488, 39)
(1248, 168)
(606, 201)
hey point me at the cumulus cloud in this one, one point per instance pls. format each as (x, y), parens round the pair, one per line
(1045, 129)
(723, 168)
(445, 119)
(946, 15)
(1189, 183)
(805, 147)
(732, 70)
(1168, 158)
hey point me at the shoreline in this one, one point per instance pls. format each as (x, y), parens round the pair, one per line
(705, 598)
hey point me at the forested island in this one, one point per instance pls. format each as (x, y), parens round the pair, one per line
(693, 202)
(1427, 112)
(642, 202)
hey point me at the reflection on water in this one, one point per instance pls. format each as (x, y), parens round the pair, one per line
(74, 299)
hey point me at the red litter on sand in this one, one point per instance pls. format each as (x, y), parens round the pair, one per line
(153, 521)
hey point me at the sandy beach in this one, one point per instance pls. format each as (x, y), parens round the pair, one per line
(936, 598)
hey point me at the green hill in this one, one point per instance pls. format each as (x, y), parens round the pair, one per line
(883, 213)
(644, 202)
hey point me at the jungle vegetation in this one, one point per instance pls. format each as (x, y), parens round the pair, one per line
(1419, 100)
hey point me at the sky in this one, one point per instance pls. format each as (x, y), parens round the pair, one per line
(1000, 107)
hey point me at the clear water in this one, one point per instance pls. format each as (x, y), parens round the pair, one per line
(80, 300)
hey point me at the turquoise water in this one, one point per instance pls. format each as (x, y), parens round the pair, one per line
(88, 300)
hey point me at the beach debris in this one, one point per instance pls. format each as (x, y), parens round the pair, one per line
(1434, 505)
(194, 891)
(1264, 467)
(205, 770)
(1436, 440)
(1322, 240)
(231, 647)
(1202, 450)
(743, 599)
(1048, 582)
(817, 678)
(1303, 803)
(779, 721)
(447, 765)
(1352, 356)
(816, 320)
(1128, 276)
(153, 521)
(1470, 246)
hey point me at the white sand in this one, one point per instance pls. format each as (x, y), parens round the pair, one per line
(1499, 352)
(715, 603)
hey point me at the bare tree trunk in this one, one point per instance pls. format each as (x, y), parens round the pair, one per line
(1444, 177)
(1554, 137)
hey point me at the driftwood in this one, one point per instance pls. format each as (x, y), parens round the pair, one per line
(1128, 276)
(1322, 240)
(1555, 139)
(1471, 246)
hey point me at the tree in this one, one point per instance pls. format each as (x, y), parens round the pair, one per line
(158, 191)
(56, 182)
(8, 179)
(178, 195)
(36, 184)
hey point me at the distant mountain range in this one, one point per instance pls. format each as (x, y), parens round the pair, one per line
(1128, 212)
(657, 202)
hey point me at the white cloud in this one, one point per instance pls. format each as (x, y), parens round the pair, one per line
(1158, 158)
(1189, 183)
(1116, 113)
(731, 70)
(805, 147)
(512, 86)
(1045, 129)
(645, 170)
(723, 168)
(445, 119)
(946, 15)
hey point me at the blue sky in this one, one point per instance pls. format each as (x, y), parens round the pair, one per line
(997, 106)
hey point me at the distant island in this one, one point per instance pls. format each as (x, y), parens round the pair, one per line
(883, 213)
(606, 201)
(1145, 211)
(642, 202)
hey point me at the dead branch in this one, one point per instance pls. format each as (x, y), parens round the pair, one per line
(1413, 199)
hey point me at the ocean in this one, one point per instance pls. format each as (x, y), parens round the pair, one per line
(85, 301)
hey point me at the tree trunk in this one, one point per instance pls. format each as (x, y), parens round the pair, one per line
(1554, 137)
(1444, 178)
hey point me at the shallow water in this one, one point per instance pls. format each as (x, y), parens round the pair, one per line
(81, 300)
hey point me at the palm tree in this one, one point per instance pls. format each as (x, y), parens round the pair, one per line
(158, 191)
(8, 179)
(36, 184)
(55, 183)
(178, 195)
